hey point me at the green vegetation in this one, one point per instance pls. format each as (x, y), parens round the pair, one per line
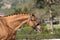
(42, 36)
(25, 33)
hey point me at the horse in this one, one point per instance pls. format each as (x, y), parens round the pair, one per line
(9, 24)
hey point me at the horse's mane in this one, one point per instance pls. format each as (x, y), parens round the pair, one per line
(15, 14)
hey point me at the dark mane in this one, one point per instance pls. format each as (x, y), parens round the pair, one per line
(14, 14)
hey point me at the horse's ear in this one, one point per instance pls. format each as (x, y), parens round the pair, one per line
(33, 15)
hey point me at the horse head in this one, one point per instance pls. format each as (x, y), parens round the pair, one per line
(34, 24)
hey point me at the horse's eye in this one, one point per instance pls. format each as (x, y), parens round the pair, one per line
(33, 20)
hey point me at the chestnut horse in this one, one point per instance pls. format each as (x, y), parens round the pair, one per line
(11, 23)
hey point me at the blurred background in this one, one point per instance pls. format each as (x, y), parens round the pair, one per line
(46, 11)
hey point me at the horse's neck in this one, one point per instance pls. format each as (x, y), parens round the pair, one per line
(16, 21)
(19, 26)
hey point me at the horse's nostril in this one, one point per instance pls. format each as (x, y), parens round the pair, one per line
(39, 30)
